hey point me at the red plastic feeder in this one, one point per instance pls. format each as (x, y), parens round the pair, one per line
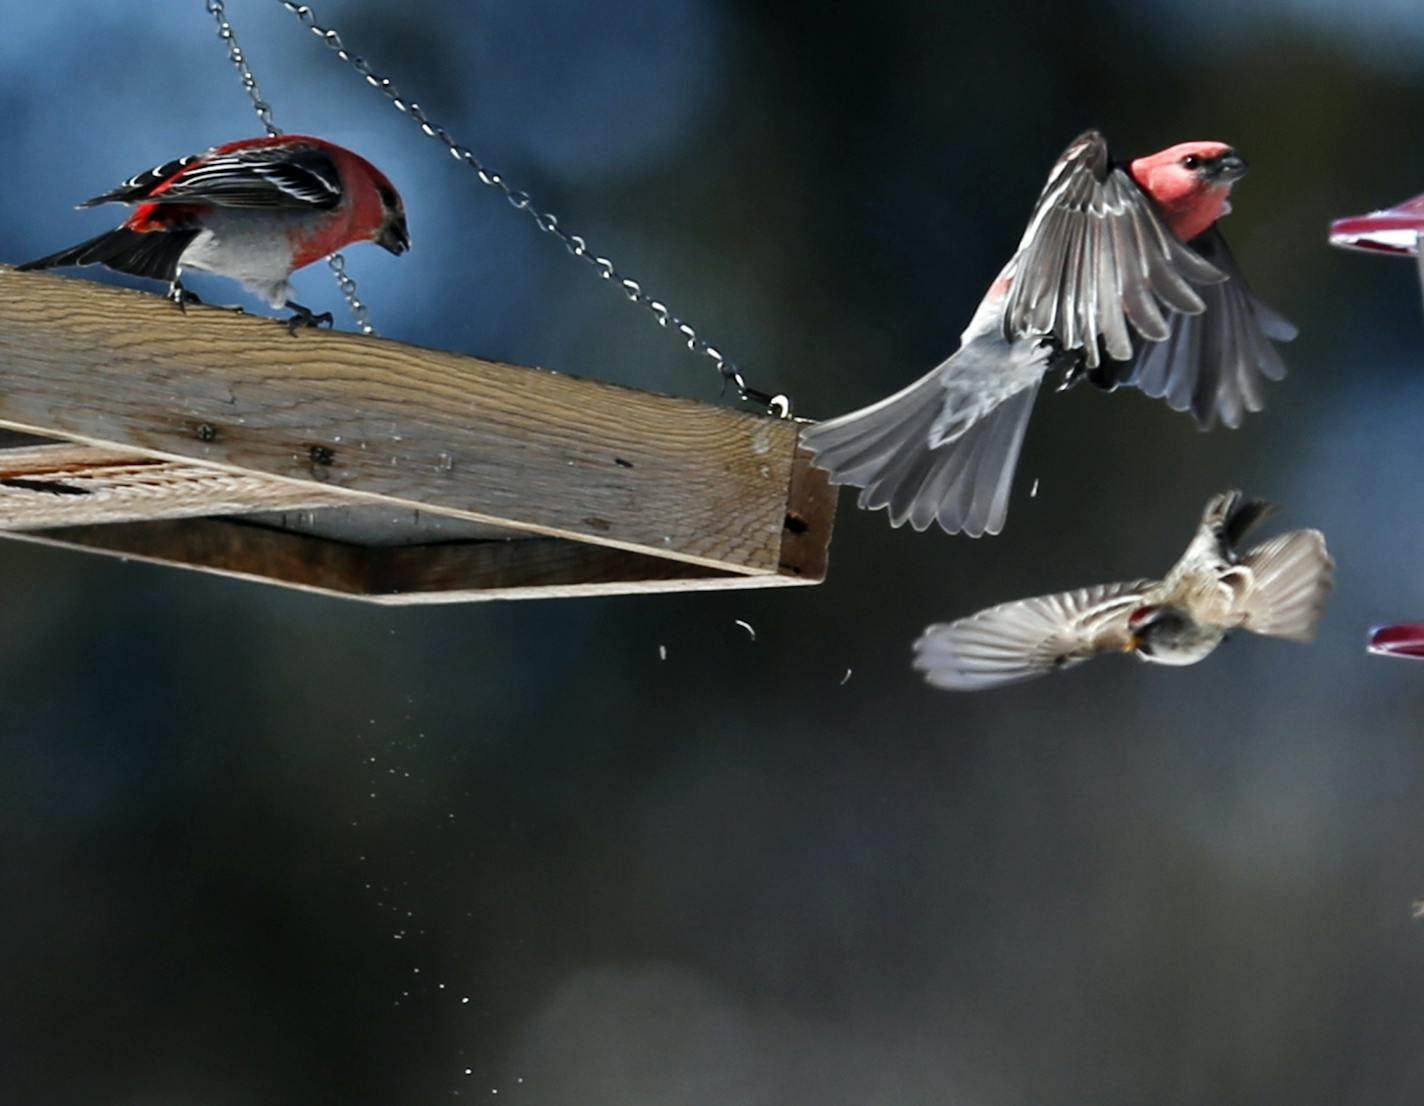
(1404, 639)
(1393, 231)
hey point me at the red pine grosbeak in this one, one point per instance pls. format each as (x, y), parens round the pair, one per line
(255, 210)
(1110, 250)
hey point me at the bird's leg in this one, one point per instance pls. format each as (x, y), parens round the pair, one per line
(180, 295)
(304, 316)
(1071, 361)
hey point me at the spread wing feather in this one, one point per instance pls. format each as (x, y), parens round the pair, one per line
(1028, 637)
(1213, 363)
(1098, 261)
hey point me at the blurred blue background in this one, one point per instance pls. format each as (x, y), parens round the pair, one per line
(260, 847)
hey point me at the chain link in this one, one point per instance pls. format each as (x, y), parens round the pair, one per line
(337, 263)
(545, 221)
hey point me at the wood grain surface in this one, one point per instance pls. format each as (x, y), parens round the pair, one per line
(423, 429)
(538, 568)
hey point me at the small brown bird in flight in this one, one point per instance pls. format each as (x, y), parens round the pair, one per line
(1277, 589)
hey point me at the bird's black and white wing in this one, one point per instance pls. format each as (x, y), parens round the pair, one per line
(137, 187)
(1098, 258)
(1214, 364)
(289, 175)
(1028, 637)
(1281, 586)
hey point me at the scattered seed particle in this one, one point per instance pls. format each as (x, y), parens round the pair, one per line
(846, 678)
(747, 626)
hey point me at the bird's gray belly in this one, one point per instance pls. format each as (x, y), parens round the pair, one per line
(259, 256)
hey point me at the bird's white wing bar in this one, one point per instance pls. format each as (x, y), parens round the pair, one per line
(287, 176)
(138, 186)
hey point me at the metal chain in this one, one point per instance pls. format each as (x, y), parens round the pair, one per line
(235, 55)
(545, 221)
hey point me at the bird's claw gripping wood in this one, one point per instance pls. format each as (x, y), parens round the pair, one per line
(181, 297)
(303, 317)
(255, 210)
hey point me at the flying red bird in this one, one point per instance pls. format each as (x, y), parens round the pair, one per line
(1123, 277)
(255, 210)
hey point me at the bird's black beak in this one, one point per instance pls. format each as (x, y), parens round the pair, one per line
(1229, 167)
(394, 236)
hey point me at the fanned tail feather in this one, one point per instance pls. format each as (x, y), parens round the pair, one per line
(962, 484)
(1231, 516)
(153, 254)
(1292, 575)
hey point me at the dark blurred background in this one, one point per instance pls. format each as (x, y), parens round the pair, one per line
(259, 847)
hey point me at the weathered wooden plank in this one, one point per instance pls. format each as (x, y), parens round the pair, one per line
(537, 568)
(424, 429)
(540, 568)
(222, 547)
(13, 439)
(810, 517)
(378, 524)
(66, 484)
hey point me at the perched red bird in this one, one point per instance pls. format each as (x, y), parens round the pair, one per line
(255, 210)
(1111, 250)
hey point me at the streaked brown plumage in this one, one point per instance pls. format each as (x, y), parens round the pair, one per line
(1277, 588)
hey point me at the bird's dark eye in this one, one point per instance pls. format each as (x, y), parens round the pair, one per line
(1191, 161)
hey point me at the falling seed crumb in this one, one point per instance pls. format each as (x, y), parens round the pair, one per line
(1033, 491)
(662, 652)
(747, 626)
(846, 678)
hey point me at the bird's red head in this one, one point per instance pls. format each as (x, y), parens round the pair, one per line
(1190, 183)
(378, 206)
(1137, 623)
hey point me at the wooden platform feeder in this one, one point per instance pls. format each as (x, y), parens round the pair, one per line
(368, 469)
